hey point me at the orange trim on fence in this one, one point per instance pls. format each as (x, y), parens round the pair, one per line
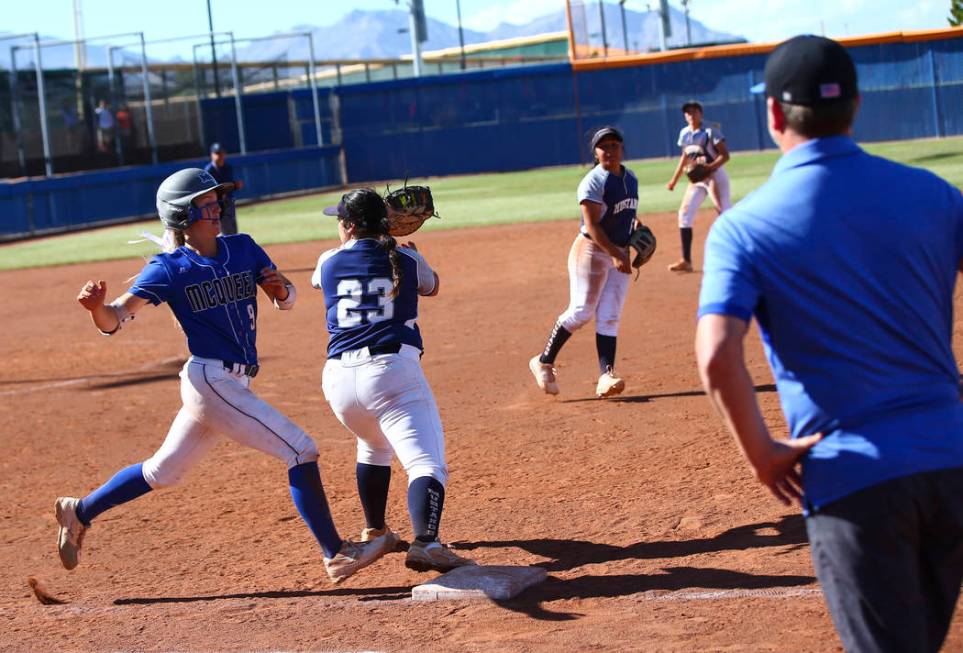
(745, 49)
(571, 30)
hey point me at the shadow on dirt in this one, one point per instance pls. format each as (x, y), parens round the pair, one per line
(612, 586)
(363, 594)
(641, 399)
(566, 555)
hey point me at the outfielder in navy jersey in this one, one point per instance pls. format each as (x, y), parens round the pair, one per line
(373, 379)
(210, 283)
(705, 144)
(598, 264)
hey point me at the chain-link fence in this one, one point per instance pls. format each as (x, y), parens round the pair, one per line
(121, 100)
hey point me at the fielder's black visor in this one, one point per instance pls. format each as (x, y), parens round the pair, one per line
(604, 132)
(338, 211)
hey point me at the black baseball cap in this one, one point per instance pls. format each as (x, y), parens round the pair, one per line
(217, 148)
(809, 70)
(692, 104)
(606, 131)
(339, 210)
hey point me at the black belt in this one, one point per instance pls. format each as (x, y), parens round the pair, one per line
(379, 350)
(248, 370)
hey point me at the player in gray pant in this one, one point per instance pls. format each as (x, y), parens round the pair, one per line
(853, 294)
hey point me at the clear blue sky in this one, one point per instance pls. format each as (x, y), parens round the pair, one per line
(758, 21)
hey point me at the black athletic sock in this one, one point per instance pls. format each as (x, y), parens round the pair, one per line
(373, 482)
(686, 233)
(559, 337)
(606, 348)
(426, 498)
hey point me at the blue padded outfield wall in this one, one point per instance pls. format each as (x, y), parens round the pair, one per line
(501, 120)
(530, 117)
(72, 201)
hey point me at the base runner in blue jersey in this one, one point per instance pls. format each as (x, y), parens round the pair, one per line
(598, 264)
(373, 379)
(210, 283)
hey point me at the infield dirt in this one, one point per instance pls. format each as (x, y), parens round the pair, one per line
(651, 527)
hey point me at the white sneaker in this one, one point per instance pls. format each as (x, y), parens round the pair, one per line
(353, 557)
(609, 385)
(544, 376)
(394, 541)
(428, 556)
(71, 536)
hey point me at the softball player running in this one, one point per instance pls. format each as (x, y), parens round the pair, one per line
(210, 283)
(704, 144)
(373, 379)
(598, 264)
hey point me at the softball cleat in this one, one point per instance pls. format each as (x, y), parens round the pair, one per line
(609, 385)
(681, 265)
(434, 556)
(353, 557)
(71, 536)
(395, 543)
(544, 376)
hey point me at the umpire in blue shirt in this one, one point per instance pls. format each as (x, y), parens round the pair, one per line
(852, 286)
(223, 172)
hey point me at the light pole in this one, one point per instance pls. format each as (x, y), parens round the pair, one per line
(605, 38)
(210, 29)
(688, 27)
(625, 33)
(461, 34)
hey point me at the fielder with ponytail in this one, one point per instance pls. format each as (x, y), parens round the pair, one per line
(373, 379)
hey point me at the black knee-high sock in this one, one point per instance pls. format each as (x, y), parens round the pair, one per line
(373, 482)
(556, 340)
(686, 233)
(426, 499)
(606, 349)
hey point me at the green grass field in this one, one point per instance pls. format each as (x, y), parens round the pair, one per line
(533, 195)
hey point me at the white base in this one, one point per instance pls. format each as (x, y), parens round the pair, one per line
(480, 582)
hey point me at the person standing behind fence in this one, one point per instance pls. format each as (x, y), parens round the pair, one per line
(223, 172)
(105, 126)
(704, 146)
(853, 292)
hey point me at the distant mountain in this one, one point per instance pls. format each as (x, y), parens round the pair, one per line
(641, 28)
(383, 35)
(63, 56)
(357, 35)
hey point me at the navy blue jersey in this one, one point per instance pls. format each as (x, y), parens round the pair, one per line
(356, 281)
(223, 174)
(619, 197)
(214, 299)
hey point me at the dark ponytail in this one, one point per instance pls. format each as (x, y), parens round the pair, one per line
(365, 209)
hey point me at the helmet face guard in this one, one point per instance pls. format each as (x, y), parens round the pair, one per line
(176, 195)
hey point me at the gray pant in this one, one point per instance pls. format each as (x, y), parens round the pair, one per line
(228, 223)
(889, 559)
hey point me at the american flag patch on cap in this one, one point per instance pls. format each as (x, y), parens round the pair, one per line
(830, 90)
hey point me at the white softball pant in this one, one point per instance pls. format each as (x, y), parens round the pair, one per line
(218, 402)
(596, 289)
(386, 402)
(716, 187)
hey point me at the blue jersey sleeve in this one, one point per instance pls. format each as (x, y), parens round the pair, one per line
(153, 283)
(729, 283)
(261, 259)
(956, 200)
(592, 186)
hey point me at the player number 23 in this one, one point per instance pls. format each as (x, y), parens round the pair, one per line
(351, 291)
